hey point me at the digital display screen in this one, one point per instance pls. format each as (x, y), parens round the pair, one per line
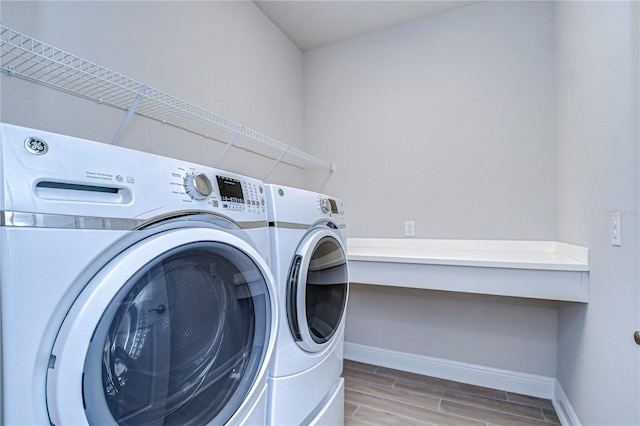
(230, 189)
(334, 206)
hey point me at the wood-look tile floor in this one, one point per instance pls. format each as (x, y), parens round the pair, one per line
(382, 396)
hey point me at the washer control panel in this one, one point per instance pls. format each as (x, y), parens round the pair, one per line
(329, 206)
(241, 195)
(197, 185)
(219, 190)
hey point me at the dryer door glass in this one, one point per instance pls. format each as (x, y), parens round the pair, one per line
(182, 342)
(318, 289)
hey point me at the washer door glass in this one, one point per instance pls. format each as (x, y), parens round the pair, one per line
(175, 347)
(317, 294)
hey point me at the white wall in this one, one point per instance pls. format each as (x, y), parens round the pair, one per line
(449, 121)
(598, 164)
(501, 332)
(226, 57)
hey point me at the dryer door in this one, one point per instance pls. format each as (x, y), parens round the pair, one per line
(176, 330)
(317, 290)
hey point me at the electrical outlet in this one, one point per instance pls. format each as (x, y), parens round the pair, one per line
(616, 238)
(409, 228)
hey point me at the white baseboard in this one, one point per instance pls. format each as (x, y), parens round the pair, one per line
(563, 407)
(495, 378)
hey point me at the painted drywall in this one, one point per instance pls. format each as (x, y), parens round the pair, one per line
(598, 163)
(501, 332)
(448, 121)
(226, 57)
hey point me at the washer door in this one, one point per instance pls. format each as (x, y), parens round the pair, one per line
(175, 330)
(317, 290)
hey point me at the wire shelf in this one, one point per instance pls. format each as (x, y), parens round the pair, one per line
(34, 60)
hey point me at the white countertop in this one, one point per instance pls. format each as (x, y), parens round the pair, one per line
(549, 270)
(547, 255)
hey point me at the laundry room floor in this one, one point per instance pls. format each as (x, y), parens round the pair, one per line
(382, 396)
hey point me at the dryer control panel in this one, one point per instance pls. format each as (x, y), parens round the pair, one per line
(294, 205)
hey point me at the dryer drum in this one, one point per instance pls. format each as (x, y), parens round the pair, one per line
(322, 290)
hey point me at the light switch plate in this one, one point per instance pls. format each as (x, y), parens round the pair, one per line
(616, 238)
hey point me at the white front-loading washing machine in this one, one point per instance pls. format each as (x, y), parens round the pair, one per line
(309, 264)
(135, 289)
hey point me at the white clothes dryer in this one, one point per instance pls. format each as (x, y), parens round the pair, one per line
(309, 263)
(135, 289)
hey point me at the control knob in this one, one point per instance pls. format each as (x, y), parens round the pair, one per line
(325, 207)
(197, 185)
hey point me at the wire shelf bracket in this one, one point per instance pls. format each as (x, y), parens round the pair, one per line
(31, 59)
(273, 166)
(226, 148)
(130, 112)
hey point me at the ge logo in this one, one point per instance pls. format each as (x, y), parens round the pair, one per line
(36, 146)
(119, 178)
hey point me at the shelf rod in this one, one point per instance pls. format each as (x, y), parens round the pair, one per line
(226, 148)
(276, 163)
(130, 112)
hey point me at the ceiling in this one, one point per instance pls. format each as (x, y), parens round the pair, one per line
(313, 24)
